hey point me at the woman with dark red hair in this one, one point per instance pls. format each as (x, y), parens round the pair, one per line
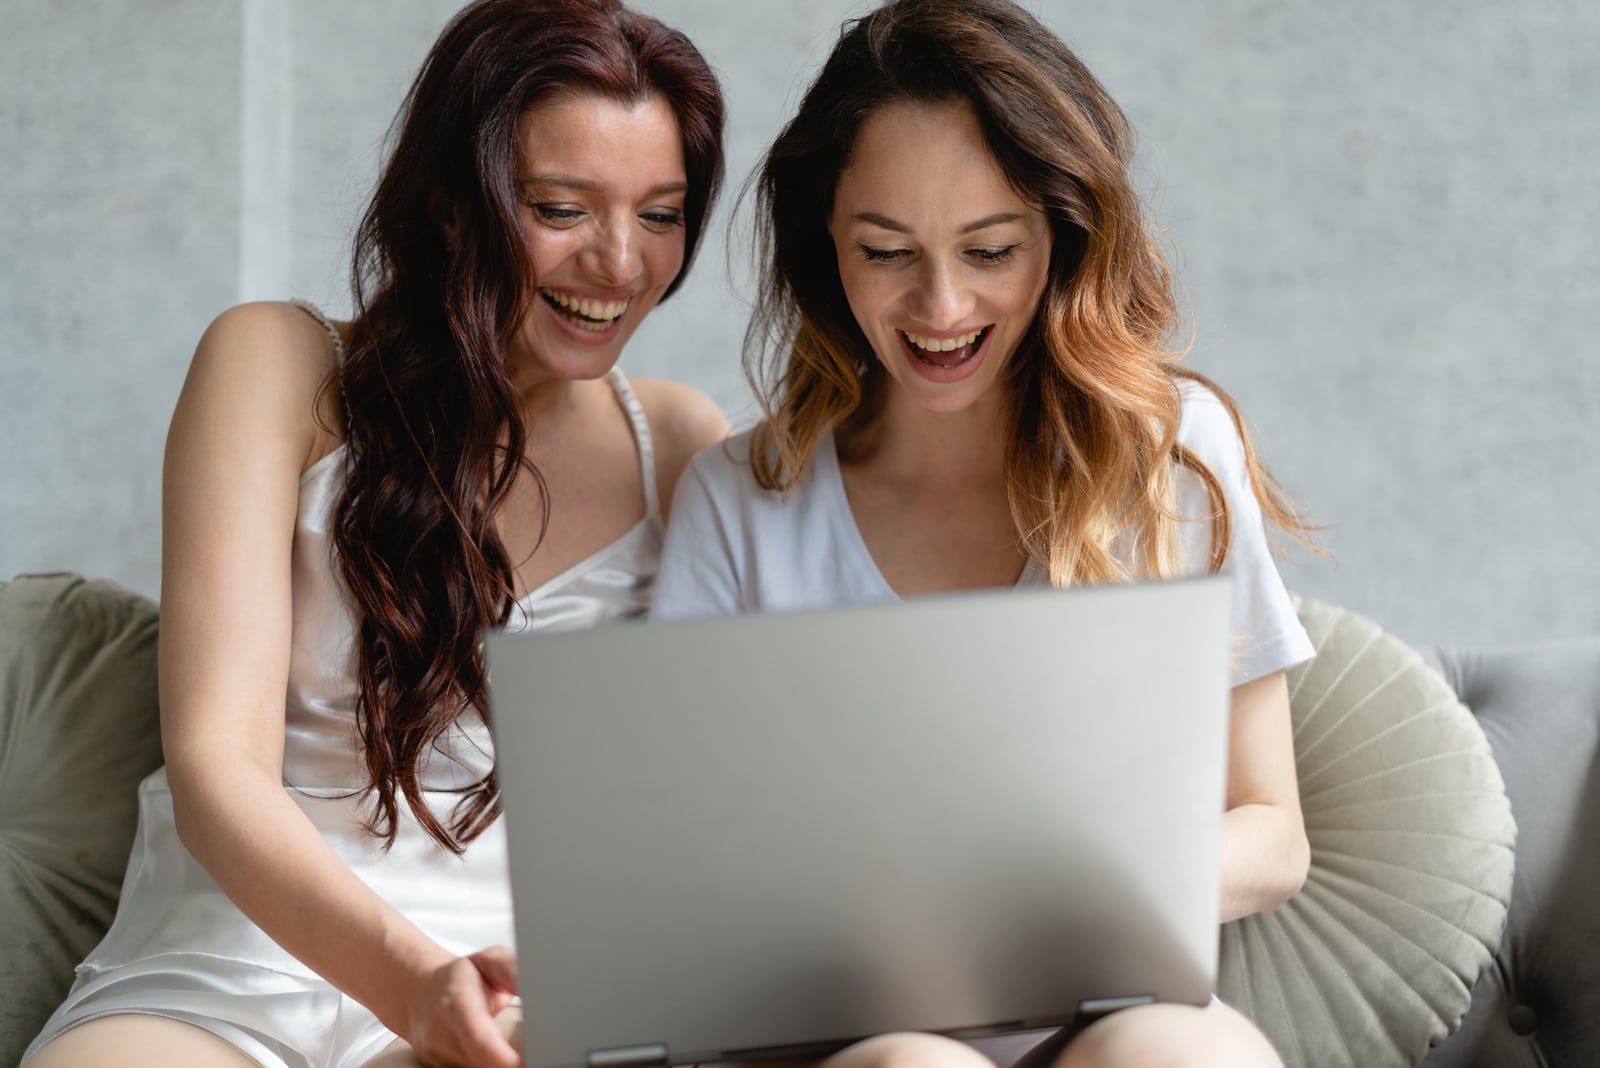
(319, 874)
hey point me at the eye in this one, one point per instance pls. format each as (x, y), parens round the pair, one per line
(882, 255)
(556, 213)
(998, 254)
(663, 220)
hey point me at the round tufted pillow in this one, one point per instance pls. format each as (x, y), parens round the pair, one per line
(1411, 861)
(78, 730)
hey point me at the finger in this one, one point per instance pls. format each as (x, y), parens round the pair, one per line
(498, 966)
(481, 1037)
(498, 1001)
(488, 1047)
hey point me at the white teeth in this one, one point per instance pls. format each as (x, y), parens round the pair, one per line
(947, 344)
(603, 311)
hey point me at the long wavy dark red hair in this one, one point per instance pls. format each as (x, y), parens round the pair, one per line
(434, 434)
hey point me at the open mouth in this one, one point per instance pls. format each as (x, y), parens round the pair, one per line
(946, 352)
(591, 315)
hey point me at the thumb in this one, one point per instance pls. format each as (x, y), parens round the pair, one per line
(498, 966)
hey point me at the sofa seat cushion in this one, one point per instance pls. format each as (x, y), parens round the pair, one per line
(78, 729)
(1411, 861)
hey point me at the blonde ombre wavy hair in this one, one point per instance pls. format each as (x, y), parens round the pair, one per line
(1095, 386)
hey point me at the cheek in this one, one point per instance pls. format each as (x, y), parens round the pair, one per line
(665, 257)
(1025, 294)
(867, 293)
(857, 284)
(546, 252)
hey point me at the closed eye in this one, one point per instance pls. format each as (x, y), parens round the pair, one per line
(882, 255)
(662, 220)
(557, 213)
(997, 254)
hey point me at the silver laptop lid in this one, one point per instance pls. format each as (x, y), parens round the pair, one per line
(968, 813)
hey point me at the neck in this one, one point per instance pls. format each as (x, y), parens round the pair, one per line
(540, 396)
(911, 444)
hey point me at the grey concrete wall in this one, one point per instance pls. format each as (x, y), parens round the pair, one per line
(1380, 211)
(118, 242)
(1388, 226)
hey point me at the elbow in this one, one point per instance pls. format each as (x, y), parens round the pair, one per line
(1266, 859)
(184, 816)
(1295, 868)
(201, 790)
(213, 788)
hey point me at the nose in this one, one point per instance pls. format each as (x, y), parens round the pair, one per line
(613, 256)
(941, 300)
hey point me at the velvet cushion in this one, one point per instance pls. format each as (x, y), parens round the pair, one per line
(78, 730)
(1411, 861)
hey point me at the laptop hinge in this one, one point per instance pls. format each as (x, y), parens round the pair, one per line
(1094, 1008)
(654, 1056)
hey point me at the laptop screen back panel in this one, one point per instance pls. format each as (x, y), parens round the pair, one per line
(952, 813)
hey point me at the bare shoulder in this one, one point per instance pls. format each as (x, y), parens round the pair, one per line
(683, 421)
(680, 414)
(273, 359)
(289, 337)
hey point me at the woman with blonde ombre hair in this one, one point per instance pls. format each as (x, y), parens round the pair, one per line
(963, 351)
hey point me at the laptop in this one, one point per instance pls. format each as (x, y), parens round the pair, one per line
(778, 834)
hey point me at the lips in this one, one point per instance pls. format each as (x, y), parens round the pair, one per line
(586, 313)
(946, 352)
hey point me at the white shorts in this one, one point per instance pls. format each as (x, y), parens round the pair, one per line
(180, 949)
(280, 1021)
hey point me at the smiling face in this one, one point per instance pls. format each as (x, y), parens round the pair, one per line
(942, 262)
(601, 184)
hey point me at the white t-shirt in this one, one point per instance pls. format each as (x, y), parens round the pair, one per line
(733, 547)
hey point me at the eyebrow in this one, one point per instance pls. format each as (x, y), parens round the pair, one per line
(594, 187)
(886, 223)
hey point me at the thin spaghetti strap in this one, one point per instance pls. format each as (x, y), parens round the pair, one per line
(641, 437)
(338, 356)
(327, 324)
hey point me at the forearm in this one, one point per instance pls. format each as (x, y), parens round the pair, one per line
(1265, 857)
(266, 855)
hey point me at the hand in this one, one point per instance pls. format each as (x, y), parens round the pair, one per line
(452, 1013)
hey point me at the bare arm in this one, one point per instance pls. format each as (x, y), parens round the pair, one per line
(241, 435)
(1265, 854)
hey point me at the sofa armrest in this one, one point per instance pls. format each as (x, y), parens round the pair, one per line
(1539, 1004)
(78, 729)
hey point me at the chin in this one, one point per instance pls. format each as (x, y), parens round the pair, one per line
(947, 399)
(583, 370)
(950, 405)
(569, 363)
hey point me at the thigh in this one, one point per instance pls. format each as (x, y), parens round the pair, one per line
(136, 1040)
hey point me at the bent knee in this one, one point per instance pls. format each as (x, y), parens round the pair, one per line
(1171, 1036)
(908, 1049)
